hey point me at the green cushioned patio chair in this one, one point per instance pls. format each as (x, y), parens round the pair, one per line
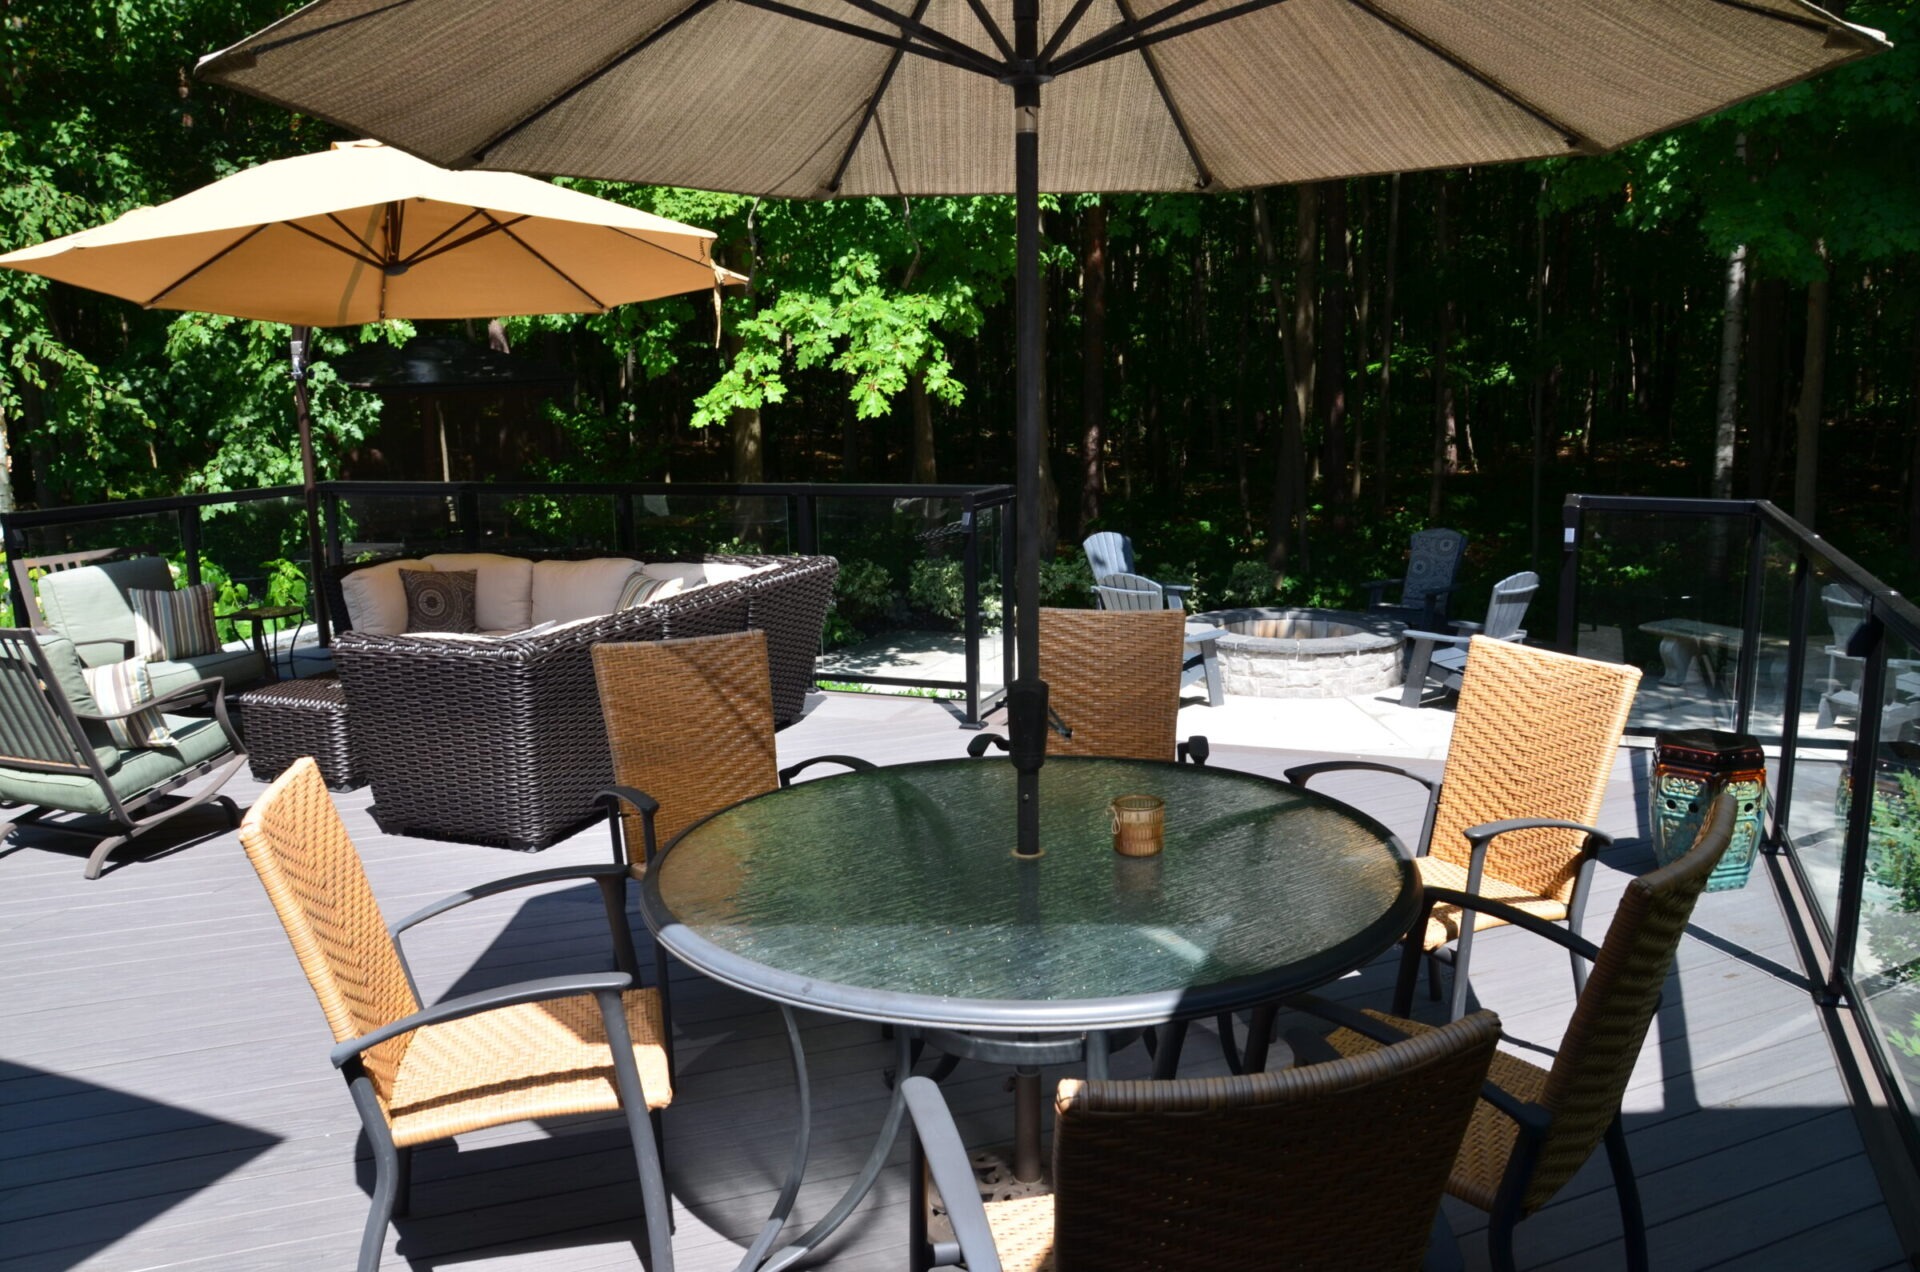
(84, 597)
(56, 754)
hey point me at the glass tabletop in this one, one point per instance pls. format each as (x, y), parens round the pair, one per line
(895, 895)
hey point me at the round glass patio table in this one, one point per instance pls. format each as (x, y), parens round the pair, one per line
(894, 895)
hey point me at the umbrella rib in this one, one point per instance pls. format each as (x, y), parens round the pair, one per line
(974, 61)
(987, 23)
(492, 227)
(202, 265)
(1086, 51)
(910, 26)
(244, 54)
(613, 63)
(530, 250)
(343, 250)
(872, 107)
(1791, 19)
(1067, 24)
(420, 254)
(1200, 168)
(1144, 36)
(661, 247)
(1574, 138)
(372, 254)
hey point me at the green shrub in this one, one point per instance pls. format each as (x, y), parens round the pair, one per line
(939, 587)
(863, 592)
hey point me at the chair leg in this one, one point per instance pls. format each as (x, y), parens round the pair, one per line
(1500, 1241)
(1463, 951)
(233, 810)
(386, 1188)
(1259, 1037)
(1632, 1218)
(1210, 659)
(98, 860)
(633, 1102)
(1166, 1059)
(1433, 977)
(1229, 1049)
(402, 1182)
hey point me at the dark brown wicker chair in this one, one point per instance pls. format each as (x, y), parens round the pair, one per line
(538, 1049)
(690, 731)
(1538, 1126)
(1335, 1166)
(1534, 741)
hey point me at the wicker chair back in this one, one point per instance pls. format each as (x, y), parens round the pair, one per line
(1603, 1039)
(1114, 679)
(1333, 1165)
(690, 722)
(303, 854)
(1534, 735)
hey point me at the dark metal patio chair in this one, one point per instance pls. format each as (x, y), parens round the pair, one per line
(1443, 658)
(554, 1047)
(1537, 1126)
(59, 757)
(1334, 1166)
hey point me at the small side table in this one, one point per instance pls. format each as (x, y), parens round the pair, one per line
(283, 721)
(260, 616)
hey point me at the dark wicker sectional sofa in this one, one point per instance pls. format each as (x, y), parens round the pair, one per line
(501, 741)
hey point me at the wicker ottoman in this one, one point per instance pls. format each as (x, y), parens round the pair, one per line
(284, 721)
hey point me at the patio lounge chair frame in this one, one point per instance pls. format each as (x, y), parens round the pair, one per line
(1202, 655)
(1110, 553)
(1426, 660)
(49, 736)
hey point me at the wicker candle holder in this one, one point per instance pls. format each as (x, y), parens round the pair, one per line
(1139, 825)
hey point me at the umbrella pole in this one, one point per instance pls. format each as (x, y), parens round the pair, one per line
(309, 480)
(1027, 696)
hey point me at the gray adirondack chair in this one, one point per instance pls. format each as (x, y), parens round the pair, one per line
(1426, 590)
(1110, 553)
(1201, 660)
(1443, 658)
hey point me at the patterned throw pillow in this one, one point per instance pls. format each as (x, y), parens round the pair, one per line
(644, 589)
(439, 600)
(119, 686)
(172, 625)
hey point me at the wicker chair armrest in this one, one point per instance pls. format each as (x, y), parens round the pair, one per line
(853, 762)
(556, 874)
(644, 804)
(1511, 914)
(1300, 773)
(533, 991)
(952, 1172)
(185, 695)
(1483, 835)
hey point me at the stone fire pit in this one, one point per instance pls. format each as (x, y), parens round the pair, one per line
(1306, 653)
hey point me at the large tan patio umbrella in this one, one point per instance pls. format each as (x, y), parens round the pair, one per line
(363, 232)
(815, 98)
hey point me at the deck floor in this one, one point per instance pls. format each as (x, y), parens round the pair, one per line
(165, 1099)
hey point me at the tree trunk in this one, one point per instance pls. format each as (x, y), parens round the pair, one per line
(926, 466)
(1537, 399)
(1806, 415)
(1443, 417)
(1093, 366)
(1332, 379)
(1288, 510)
(1726, 416)
(1913, 464)
(1384, 415)
(1766, 358)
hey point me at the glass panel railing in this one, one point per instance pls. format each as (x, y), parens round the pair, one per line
(544, 522)
(374, 525)
(689, 523)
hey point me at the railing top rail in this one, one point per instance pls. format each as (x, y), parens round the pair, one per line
(862, 490)
(28, 518)
(1900, 614)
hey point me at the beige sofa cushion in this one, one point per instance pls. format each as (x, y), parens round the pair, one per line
(376, 600)
(566, 590)
(503, 587)
(730, 571)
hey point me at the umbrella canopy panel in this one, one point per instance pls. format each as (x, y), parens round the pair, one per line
(365, 232)
(745, 95)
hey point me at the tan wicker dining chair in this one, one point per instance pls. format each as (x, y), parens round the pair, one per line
(1113, 679)
(690, 726)
(554, 1047)
(1534, 740)
(1334, 1166)
(1537, 1126)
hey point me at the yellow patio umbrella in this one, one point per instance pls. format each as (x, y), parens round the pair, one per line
(363, 232)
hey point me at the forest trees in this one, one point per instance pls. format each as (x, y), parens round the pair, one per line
(1293, 377)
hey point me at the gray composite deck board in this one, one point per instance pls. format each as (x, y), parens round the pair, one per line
(165, 1100)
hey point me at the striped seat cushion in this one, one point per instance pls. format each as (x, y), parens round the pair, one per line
(168, 626)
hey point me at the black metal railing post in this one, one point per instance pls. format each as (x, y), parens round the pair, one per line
(1799, 615)
(970, 584)
(468, 506)
(1746, 675)
(806, 523)
(190, 541)
(623, 530)
(1868, 643)
(1569, 574)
